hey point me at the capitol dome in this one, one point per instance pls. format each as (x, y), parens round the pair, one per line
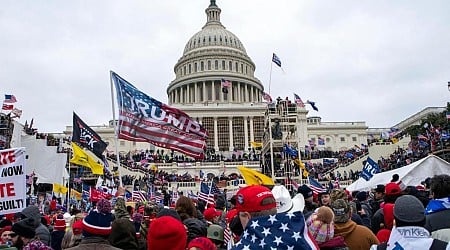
(211, 56)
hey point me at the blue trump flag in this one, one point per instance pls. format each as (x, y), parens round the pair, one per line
(369, 169)
(290, 150)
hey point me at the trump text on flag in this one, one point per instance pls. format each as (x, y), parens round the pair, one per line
(12, 180)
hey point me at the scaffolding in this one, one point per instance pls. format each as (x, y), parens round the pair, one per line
(6, 130)
(285, 125)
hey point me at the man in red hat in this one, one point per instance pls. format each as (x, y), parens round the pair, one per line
(264, 228)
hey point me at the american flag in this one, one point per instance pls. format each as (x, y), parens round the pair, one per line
(267, 97)
(10, 99)
(7, 106)
(225, 83)
(278, 231)
(298, 100)
(144, 119)
(227, 234)
(175, 195)
(139, 196)
(206, 195)
(316, 186)
(159, 198)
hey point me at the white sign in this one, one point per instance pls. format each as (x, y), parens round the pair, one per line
(12, 180)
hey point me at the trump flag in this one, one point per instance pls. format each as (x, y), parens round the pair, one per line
(144, 119)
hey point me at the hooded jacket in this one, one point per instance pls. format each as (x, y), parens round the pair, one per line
(355, 236)
(41, 231)
(123, 234)
(196, 228)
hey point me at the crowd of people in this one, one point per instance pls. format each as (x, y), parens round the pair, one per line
(390, 216)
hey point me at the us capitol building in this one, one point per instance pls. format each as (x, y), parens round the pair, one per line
(236, 116)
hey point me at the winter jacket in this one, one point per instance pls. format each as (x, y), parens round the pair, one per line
(57, 237)
(120, 209)
(438, 224)
(123, 234)
(41, 231)
(337, 243)
(196, 228)
(94, 243)
(355, 236)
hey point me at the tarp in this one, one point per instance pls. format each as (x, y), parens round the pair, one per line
(410, 175)
(42, 160)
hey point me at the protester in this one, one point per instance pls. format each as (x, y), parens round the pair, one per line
(384, 218)
(41, 231)
(355, 236)
(438, 209)
(123, 234)
(57, 235)
(377, 199)
(409, 231)
(212, 215)
(215, 234)
(264, 227)
(321, 227)
(187, 211)
(5, 239)
(97, 228)
(307, 193)
(24, 235)
(72, 237)
(201, 243)
(166, 232)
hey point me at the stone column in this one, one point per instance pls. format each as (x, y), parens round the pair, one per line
(176, 95)
(213, 91)
(239, 92)
(216, 135)
(252, 134)
(245, 134)
(188, 93)
(195, 92)
(205, 93)
(230, 127)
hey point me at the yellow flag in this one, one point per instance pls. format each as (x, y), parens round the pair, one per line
(80, 157)
(394, 140)
(300, 164)
(253, 177)
(305, 173)
(256, 144)
(76, 194)
(57, 188)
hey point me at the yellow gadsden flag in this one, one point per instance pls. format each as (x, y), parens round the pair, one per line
(80, 157)
(253, 177)
(300, 164)
(75, 194)
(57, 188)
(256, 144)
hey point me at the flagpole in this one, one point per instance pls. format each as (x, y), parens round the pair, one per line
(116, 139)
(68, 189)
(270, 76)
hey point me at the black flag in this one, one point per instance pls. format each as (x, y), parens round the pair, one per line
(86, 137)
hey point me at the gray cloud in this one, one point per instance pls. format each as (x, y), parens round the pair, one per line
(378, 62)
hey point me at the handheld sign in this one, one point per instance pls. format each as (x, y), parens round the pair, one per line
(369, 169)
(12, 180)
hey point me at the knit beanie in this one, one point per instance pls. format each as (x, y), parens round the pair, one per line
(166, 232)
(202, 243)
(409, 209)
(320, 224)
(60, 223)
(98, 222)
(24, 228)
(123, 235)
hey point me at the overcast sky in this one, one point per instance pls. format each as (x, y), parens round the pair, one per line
(373, 61)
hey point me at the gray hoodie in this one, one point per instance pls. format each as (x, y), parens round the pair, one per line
(41, 231)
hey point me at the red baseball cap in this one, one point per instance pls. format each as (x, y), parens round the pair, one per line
(210, 213)
(393, 188)
(254, 198)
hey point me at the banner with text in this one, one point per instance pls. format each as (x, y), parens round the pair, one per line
(369, 169)
(12, 180)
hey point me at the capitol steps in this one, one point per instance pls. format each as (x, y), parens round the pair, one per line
(376, 151)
